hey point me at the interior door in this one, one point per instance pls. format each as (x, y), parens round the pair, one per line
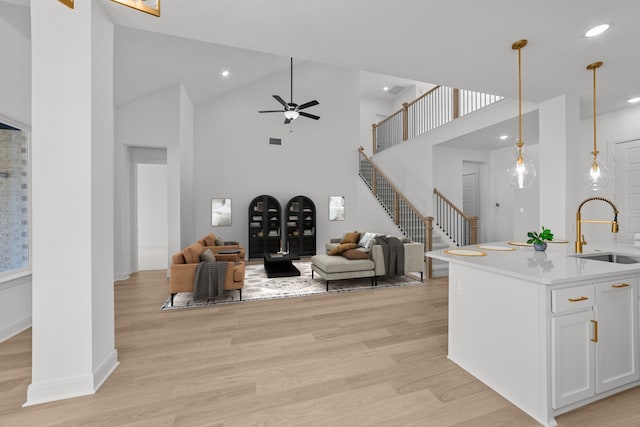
(470, 205)
(627, 177)
(152, 216)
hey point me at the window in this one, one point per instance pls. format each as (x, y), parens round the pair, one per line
(14, 199)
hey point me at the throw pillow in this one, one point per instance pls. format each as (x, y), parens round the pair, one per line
(210, 239)
(355, 254)
(207, 256)
(350, 237)
(192, 253)
(365, 240)
(219, 241)
(341, 248)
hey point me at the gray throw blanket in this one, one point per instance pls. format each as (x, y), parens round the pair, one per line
(393, 255)
(209, 280)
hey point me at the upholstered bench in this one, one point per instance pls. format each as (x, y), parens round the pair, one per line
(338, 267)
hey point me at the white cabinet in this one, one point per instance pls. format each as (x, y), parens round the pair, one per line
(594, 344)
(572, 359)
(617, 346)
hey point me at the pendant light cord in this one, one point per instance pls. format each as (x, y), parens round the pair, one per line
(595, 147)
(520, 96)
(594, 67)
(519, 45)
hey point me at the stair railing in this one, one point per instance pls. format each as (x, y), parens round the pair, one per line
(437, 107)
(409, 220)
(460, 228)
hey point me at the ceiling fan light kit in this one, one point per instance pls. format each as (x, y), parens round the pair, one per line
(292, 110)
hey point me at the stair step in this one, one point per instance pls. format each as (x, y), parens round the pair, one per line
(439, 268)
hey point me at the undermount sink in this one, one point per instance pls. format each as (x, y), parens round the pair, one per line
(615, 258)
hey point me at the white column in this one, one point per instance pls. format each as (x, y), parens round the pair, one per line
(559, 171)
(72, 175)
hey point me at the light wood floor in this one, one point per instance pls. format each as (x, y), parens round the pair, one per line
(374, 358)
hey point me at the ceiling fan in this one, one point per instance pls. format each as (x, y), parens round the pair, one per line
(292, 110)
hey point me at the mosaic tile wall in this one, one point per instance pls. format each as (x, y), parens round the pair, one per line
(14, 200)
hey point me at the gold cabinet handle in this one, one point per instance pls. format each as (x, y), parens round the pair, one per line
(621, 285)
(578, 299)
(595, 331)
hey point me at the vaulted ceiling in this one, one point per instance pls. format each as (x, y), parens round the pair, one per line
(463, 43)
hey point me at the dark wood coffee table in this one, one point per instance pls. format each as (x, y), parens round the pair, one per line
(280, 265)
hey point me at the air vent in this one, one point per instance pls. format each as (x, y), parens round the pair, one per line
(275, 141)
(395, 89)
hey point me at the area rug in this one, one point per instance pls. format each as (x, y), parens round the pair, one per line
(257, 286)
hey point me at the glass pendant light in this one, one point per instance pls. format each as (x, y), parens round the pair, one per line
(595, 176)
(521, 171)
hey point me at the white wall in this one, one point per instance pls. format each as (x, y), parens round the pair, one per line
(152, 216)
(370, 110)
(187, 172)
(72, 207)
(618, 126)
(161, 120)
(15, 73)
(152, 205)
(233, 157)
(15, 109)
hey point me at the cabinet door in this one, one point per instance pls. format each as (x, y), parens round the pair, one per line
(617, 347)
(572, 358)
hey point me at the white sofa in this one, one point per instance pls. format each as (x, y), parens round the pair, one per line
(337, 267)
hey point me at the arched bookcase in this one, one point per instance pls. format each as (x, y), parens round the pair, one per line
(300, 226)
(265, 228)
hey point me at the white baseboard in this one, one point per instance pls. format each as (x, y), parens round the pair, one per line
(14, 328)
(51, 391)
(105, 369)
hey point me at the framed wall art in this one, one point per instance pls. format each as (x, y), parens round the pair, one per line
(220, 212)
(151, 7)
(336, 208)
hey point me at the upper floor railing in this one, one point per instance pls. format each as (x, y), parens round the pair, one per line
(404, 214)
(437, 107)
(460, 228)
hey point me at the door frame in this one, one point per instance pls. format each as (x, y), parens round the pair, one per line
(137, 155)
(612, 164)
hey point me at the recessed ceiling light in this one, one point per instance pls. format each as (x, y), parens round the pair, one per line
(596, 31)
(503, 137)
(634, 100)
(386, 88)
(225, 73)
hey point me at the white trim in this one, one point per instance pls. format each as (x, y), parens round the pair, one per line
(51, 391)
(9, 279)
(15, 328)
(7, 276)
(611, 160)
(105, 369)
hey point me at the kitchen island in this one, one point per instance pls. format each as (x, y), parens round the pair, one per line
(550, 331)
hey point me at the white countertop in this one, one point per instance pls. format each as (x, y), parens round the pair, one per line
(558, 264)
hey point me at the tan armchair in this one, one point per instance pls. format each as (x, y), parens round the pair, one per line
(211, 241)
(183, 270)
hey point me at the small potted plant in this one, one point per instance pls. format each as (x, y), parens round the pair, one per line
(538, 240)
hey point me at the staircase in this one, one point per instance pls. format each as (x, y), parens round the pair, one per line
(439, 106)
(454, 228)
(438, 241)
(403, 213)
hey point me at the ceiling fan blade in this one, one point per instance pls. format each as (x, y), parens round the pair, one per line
(311, 116)
(271, 111)
(308, 104)
(280, 100)
(287, 121)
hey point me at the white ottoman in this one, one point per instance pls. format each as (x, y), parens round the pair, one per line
(338, 267)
